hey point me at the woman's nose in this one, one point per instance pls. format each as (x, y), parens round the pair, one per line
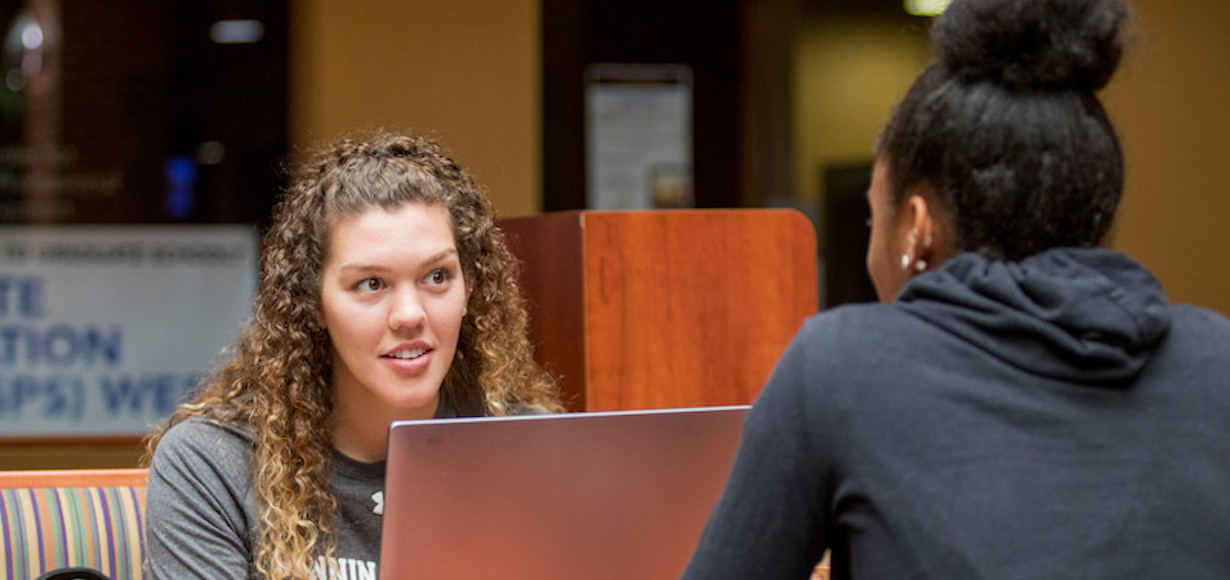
(406, 309)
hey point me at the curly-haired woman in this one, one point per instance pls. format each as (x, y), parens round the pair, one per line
(386, 293)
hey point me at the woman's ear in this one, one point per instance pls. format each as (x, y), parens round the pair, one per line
(920, 241)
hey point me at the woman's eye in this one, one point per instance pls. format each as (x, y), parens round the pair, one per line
(370, 285)
(439, 277)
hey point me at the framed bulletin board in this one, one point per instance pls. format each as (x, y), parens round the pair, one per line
(638, 136)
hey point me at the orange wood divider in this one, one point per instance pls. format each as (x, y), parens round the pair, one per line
(664, 308)
(35, 479)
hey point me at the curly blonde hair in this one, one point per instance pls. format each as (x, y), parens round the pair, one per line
(278, 380)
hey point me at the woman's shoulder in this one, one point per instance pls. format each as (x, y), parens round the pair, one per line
(203, 430)
(1198, 331)
(854, 326)
(1201, 318)
(202, 442)
(846, 347)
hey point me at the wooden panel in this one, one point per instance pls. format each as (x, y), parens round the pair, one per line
(692, 307)
(550, 249)
(35, 479)
(87, 452)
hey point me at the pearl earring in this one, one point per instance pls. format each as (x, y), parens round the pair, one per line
(920, 265)
(905, 261)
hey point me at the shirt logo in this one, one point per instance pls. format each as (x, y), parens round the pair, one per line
(378, 497)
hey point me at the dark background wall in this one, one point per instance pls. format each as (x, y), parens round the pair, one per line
(117, 98)
(706, 36)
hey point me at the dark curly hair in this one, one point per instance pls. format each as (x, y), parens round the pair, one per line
(277, 383)
(1007, 128)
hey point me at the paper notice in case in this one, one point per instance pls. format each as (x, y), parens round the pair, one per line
(638, 124)
(104, 329)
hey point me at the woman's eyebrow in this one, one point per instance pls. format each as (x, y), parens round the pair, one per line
(441, 256)
(366, 267)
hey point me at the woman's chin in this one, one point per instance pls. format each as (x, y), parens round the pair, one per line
(415, 406)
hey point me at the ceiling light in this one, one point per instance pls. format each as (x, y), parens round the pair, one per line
(926, 7)
(236, 31)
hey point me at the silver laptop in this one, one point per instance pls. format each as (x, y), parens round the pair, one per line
(612, 495)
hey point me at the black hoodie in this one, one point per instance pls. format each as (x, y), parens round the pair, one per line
(1052, 418)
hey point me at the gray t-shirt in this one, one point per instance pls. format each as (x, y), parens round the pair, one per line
(201, 518)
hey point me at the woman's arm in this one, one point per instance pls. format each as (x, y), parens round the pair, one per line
(199, 504)
(771, 521)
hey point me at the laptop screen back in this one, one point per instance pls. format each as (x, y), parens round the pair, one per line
(614, 495)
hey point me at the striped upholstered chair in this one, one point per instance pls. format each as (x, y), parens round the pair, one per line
(91, 519)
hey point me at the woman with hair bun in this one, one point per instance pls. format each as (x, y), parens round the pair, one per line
(386, 292)
(1024, 403)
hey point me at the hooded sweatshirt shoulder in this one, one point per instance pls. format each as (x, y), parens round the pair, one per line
(999, 421)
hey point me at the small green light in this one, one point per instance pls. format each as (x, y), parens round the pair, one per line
(926, 7)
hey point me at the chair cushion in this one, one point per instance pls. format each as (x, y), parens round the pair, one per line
(49, 528)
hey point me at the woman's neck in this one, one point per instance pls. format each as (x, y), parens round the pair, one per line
(361, 432)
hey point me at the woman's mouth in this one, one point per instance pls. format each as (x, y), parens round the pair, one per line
(407, 353)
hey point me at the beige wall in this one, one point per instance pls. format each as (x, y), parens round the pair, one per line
(849, 72)
(467, 73)
(1170, 102)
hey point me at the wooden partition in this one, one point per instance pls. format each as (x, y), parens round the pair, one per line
(53, 478)
(664, 308)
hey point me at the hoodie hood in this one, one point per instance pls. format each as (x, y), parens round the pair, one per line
(1082, 315)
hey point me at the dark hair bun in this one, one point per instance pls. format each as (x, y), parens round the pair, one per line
(1032, 44)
